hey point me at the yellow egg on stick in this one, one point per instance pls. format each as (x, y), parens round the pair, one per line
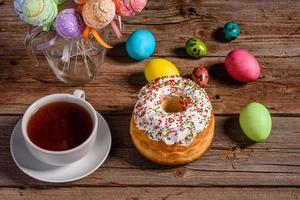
(159, 67)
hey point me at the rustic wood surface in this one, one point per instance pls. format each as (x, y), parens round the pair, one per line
(141, 193)
(234, 167)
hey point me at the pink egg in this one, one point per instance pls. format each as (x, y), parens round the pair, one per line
(129, 8)
(242, 66)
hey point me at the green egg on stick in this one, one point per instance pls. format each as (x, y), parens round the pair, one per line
(255, 121)
(40, 12)
(32, 8)
(59, 2)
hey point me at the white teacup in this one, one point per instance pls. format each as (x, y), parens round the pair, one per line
(61, 158)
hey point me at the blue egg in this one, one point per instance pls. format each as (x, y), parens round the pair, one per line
(140, 44)
(231, 31)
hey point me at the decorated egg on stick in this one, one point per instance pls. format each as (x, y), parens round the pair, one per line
(98, 14)
(39, 12)
(69, 24)
(129, 8)
(18, 5)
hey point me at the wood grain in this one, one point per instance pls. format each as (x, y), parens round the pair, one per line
(161, 193)
(270, 28)
(232, 160)
(116, 85)
(234, 167)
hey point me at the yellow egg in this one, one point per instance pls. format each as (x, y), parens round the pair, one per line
(159, 67)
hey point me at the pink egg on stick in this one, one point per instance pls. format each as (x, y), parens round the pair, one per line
(136, 5)
(242, 66)
(129, 8)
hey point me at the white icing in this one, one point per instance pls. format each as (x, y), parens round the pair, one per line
(172, 128)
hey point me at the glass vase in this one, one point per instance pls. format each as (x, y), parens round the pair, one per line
(73, 61)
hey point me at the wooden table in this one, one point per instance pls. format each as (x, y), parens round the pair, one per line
(233, 168)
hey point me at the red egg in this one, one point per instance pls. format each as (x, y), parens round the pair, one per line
(200, 76)
(242, 66)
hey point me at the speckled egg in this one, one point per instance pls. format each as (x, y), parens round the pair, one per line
(231, 31)
(195, 48)
(200, 76)
(69, 24)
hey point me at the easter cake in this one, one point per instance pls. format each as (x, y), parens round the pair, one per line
(172, 121)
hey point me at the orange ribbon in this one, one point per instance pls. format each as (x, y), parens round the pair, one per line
(88, 30)
(85, 34)
(99, 39)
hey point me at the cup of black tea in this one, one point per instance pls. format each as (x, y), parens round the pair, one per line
(59, 129)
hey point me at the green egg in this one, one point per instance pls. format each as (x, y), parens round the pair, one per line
(195, 48)
(32, 8)
(255, 121)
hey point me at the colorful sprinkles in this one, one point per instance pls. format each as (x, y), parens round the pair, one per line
(172, 128)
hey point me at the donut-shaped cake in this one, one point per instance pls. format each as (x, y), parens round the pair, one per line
(172, 121)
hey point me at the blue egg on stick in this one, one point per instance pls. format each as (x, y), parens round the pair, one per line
(140, 44)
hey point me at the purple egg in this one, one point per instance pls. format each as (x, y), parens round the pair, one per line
(69, 24)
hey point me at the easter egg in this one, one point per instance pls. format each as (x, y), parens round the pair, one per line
(39, 13)
(59, 2)
(242, 66)
(129, 8)
(255, 121)
(18, 5)
(231, 31)
(200, 76)
(69, 24)
(140, 44)
(159, 67)
(195, 48)
(98, 14)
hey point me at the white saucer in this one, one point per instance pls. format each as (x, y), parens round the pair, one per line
(77, 170)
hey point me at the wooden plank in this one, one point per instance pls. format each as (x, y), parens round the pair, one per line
(114, 89)
(231, 161)
(162, 193)
(268, 28)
